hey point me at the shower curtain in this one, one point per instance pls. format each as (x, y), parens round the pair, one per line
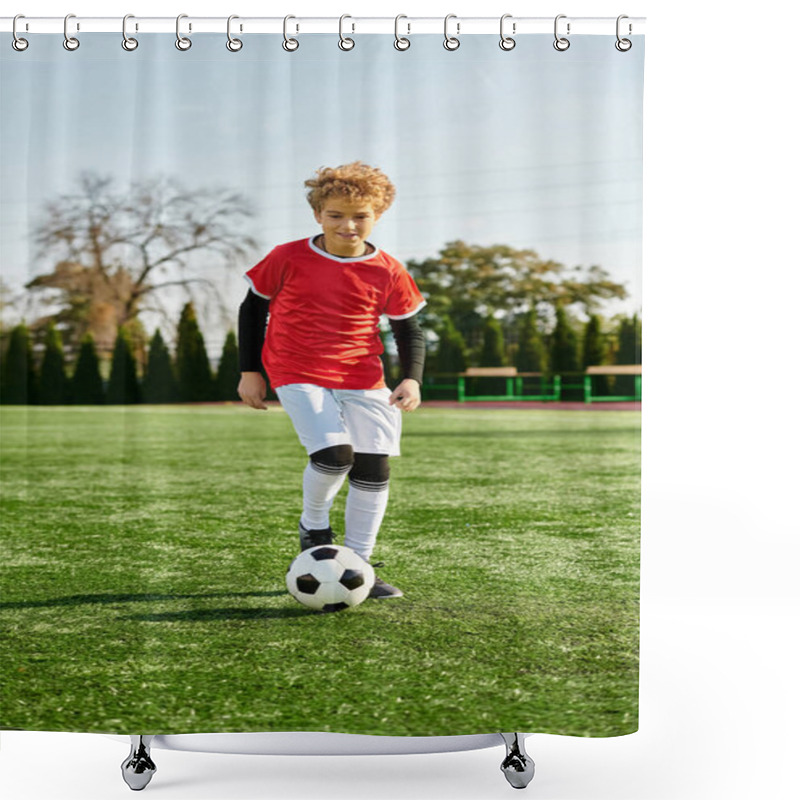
(149, 517)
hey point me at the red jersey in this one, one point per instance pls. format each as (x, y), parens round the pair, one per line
(324, 312)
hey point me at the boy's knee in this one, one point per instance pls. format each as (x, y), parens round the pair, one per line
(370, 472)
(333, 460)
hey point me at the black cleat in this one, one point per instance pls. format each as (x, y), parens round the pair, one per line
(381, 589)
(315, 538)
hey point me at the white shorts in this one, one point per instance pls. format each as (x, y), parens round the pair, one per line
(328, 417)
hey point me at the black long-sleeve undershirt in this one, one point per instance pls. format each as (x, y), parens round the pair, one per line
(410, 341)
(253, 313)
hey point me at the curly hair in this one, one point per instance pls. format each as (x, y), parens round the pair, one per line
(354, 181)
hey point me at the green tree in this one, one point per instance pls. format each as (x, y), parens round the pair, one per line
(17, 374)
(191, 361)
(53, 385)
(595, 352)
(594, 344)
(564, 355)
(469, 283)
(123, 385)
(493, 352)
(629, 341)
(451, 353)
(158, 383)
(531, 354)
(87, 384)
(228, 371)
(629, 351)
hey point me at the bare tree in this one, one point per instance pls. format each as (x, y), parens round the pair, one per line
(9, 315)
(115, 252)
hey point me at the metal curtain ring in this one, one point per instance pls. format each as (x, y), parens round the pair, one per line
(506, 42)
(289, 45)
(18, 43)
(623, 45)
(70, 42)
(128, 42)
(451, 42)
(400, 42)
(344, 42)
(234, 45)
(182, 42)
(561, 43)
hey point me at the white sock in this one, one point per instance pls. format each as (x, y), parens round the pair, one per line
(319, 491)
(362, 518)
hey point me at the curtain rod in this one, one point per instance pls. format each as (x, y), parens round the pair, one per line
(407, 25)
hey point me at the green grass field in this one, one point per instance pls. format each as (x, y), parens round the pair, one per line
(144, 553)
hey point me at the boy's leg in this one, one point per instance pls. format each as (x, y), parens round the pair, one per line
(324, 475)
(374, 426)
(317, 419)
(367, 498)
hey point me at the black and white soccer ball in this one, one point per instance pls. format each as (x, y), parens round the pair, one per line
(330, 578)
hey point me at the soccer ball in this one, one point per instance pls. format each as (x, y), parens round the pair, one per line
(330, 578)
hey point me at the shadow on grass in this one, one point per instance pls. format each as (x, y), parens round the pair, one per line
(220, 614)
(92, 599)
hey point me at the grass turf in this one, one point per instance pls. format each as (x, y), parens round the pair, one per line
(144, 553)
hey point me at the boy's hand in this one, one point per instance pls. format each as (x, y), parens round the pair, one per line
(253, 390)
(406, 396)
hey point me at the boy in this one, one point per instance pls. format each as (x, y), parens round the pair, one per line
(324, 297)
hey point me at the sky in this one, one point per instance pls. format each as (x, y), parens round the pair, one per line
(532, 148)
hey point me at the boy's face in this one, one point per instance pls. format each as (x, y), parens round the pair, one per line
(346, 225)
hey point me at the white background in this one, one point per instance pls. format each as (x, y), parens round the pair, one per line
(719, 694)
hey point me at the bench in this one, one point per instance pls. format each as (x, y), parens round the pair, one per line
(613, 370)
(513, 384)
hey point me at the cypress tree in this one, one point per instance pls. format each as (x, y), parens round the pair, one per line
(595, 352)
(629, 341)
(451, 354)
(158, 384)
(17, 375)
(228, 372)
(493, 351)
(492, 355)
(594, 347)
(531, 355)
(87, 384)
(53, 386)
(191, 360)
(123, 385)
(564, 346)
(629, 351)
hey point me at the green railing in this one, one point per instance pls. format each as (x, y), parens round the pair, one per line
(550, 390)
(623, 371)
(471, 386)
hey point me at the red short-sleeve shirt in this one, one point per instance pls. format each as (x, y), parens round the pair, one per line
(324, 313)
